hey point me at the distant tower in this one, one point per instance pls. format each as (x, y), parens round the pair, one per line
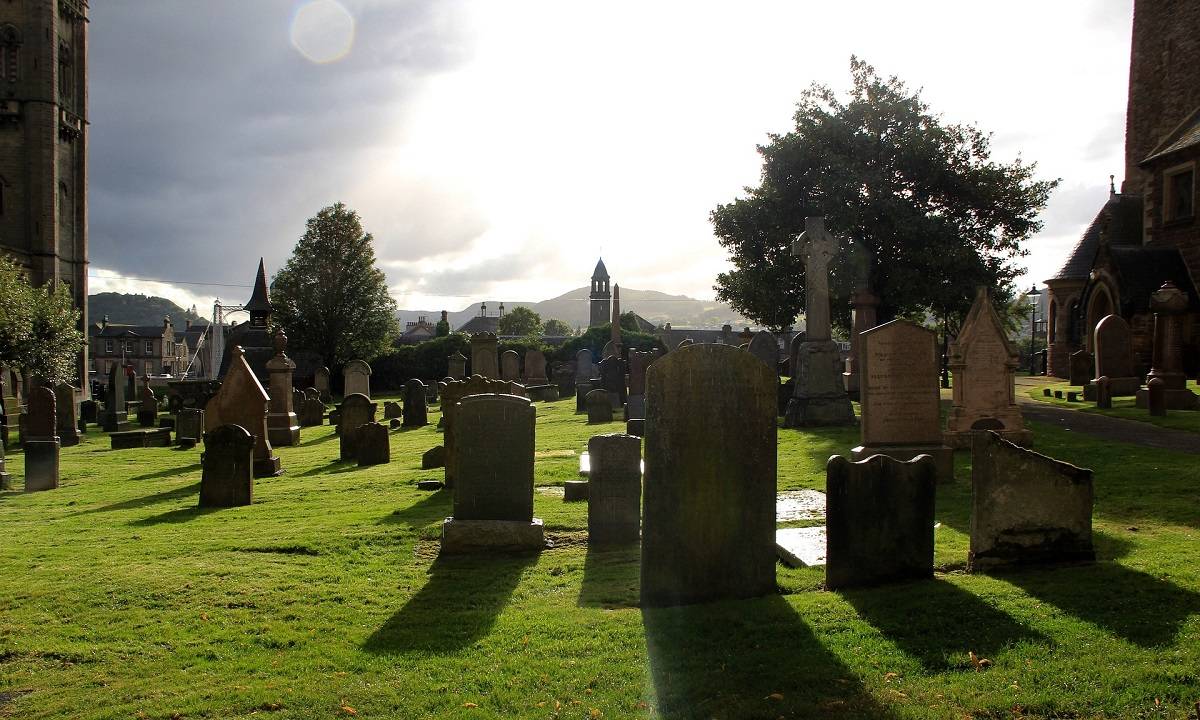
(43, 145)
(600, 297)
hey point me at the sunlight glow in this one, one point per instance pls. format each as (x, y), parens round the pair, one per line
(322, 31)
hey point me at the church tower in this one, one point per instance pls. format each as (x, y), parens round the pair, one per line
(600, 297)
(43, 144)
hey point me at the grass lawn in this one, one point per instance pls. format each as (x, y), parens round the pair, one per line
(1123, 407)
(325, 598)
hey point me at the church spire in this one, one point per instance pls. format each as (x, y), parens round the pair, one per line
(259, 306)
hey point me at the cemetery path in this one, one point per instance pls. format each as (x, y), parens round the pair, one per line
(1110, 428)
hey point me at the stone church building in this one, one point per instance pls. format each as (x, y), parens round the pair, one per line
(43, 144)
(1147, 233)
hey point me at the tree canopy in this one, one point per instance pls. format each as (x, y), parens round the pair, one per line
(923, 213)
(39, 327)
(520, 321)
(557, 328)
(330, 298)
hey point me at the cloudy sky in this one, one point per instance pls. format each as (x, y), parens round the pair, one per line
(495, 149)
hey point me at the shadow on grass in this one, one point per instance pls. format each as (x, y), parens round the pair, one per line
(933, 621)
(168, 472)
(334, 465)
(611, 577)
(457, 606)
(317, 441)
(727, 659)
(175, 516)
(435, 506)
(1139, 607)
(133, 504)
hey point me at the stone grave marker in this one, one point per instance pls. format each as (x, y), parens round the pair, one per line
(1103, 393)
(140, 438)
(863, 317)
(483, 355)
(535, 368)
(321, 384)
(585, 367)
(708, 519)
(147, 413)
(357, 410)
(114, 418)
(765, 347)
(510, 366)
(1169, 303)
(1080, 367)
(614, 489)
(563, 376)
(416, 413)
(227, 475)
(41, 441)
(392, 409)
(434, 457)
(356, 377)
(456, 366)
(283, 426)
(372, 445)
(64, 407)
(242, 401)
(900, 396)
(878, 520)
(612, 379)
(493, 488)
(189, 427)
(599, 408)
(582, 388)
(452, 394)
(1156, 397)
(1114, 357)
(1026, 507)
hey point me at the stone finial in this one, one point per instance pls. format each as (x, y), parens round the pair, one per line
(1168, 299)
(280, 341)
(237, 351)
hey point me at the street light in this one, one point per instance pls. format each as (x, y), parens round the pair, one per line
(1032, 296)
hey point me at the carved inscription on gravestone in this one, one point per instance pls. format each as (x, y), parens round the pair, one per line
(900, 398)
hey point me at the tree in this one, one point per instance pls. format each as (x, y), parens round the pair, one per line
(628, 321)
(923, 212)
(520, 322)
(39, 327)
(330, 298)
(442, 329)
(557, 328)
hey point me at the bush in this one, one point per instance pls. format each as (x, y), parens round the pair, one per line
(596, 338)
(425, 361)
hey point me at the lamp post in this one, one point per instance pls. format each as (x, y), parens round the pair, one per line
(1032, 296)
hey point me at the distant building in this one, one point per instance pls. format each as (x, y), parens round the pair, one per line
(600, 298)
(483, 322)
(151, 350)
(417, 332)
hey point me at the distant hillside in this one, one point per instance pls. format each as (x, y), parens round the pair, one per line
(572, 308)
(129, 309)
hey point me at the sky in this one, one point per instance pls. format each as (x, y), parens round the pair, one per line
(496, 149)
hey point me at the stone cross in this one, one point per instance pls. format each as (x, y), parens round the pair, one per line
(817, 248)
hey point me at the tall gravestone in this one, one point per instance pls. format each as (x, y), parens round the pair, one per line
(372, 445)
(1026, 507)
(901, 401)
(820, 397)
(41, 442)
(357, 410)
(1114, 358)
(416, 412)
(612, 380)
(356, 377)
(614, 489)
(863, 305)
(562, 375)
(283, 426)
(510, 366)
(484, 346)
(1169, 303)
(64, 405)
(242, 401)
(147, 413)
(1080, 368)
(635, 403)
(493, 489)
(984, 364)
(585, 366)
(765, 347)
(227, 474)
(456, 366)
(794, 354)
(708, 521)
(115, 418)
(878, 520)
(599, 407)
(455, 392)
(189, 427)
(321, 383)
(535, 368)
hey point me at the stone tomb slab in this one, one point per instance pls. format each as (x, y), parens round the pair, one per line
(801, 547)
(158, 437)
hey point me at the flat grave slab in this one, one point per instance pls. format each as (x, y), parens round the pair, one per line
(801, 547)
(793, 505)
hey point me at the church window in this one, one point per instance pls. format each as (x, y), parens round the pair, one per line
(1179, 193)
(10, 43)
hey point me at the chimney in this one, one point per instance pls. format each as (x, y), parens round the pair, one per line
(104, 323)
(483, 309)
(444, 316)
(166, 321)
(187, 324)
(501, 309)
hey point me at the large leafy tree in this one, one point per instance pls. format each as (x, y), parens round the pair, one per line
(520, 321)
(557, 328)
(923, 212)
(330, 298)
(39, 327)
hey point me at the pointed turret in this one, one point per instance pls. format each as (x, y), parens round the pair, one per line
(599, 298)
(601, 272)
(259, 306)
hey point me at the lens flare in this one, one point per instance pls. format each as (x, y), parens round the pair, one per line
(322, 31)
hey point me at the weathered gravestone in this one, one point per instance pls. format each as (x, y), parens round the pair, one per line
(582, 388)
(493, 487)
(1168, 303)
(1080, 367)
(147, 413)
(984, 362)
(599, 408)
(563, 377)
(1026, 507)
(140, 438)
(878, 520)
(115, 418)
(64, 407)
(535, 368)
(635, 403)
(1114, 358)
(585, 366)
(456, 391)
(89, 413)
(312, 412)
(510, 366)
(1103, 393)
(614, 489)
(242, 401)
(612, 379)
(765, 347)
(708, 529)
(483, 355)
(863, 317)
(41, 442)
(189, 427)
(434, 457)
(901, 400)
(392, 409)
(356, 377)
(227, 475)
(416, 413)
(283, 426)
(357, 410)
(794, 354)
(372, 446)
(5, 476)
(456, 366)
(321, 383)
(1156, 397)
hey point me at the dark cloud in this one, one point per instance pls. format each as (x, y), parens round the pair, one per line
(213, 139)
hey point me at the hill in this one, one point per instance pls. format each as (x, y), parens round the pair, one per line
(132, 309)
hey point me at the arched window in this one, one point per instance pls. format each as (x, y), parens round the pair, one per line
(10, 43)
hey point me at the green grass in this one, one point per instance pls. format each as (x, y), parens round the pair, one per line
(1123, 407)
(120, 599)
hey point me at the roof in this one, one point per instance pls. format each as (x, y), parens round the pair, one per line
(481, 323)
(259, 300)
(601, 272)
(114, 330)
(1186, 135)
(1123, 215)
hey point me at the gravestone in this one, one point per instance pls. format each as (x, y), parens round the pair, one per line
(372, 445)
(609, 350)
(1103, 393)
(5, 477)
(1156, 397)
(1026, 507)
(41, 441)
(612, 379)
(635, 403)
(563, 376)
(1114, 358)
(283, 426)
(901, 401)
(357, 410)
(454, 392)
(1080, 367)
(89, 413)
(115, 417)
(483, 355)
(878, 520)
(493, 488)
(242, 401)
(585, 366)
(321, 383)
(434, 457)
(510, 366)
(456, 366)
(582, 388)
(708, 530)
(1072, 396)
(535, 368)
(416, 413)
(863, 304)
(140, 438)
(356, 377)
(313, 412)
(1168, 303)
(614, 489)
(189, 427)
(64, 407)
(599, 408)
(227, 475)
(794, 354)
(393, 409)
(984, 364)
(765, 347)
(820, 397)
